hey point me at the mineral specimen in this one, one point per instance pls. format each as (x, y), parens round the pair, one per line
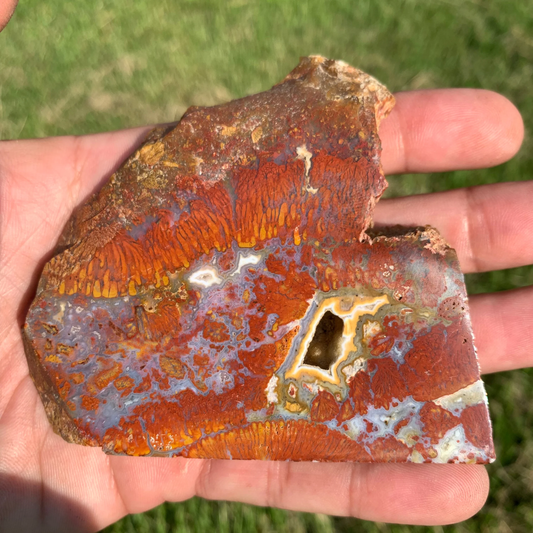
(221, 296)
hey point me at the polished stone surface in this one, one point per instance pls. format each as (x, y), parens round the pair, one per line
(221, 297)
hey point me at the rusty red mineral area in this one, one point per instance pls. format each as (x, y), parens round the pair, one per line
(220, 297)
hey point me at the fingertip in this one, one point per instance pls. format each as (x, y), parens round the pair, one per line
(465, 496)
(433, 494)
(502, 127)
(450, 129)
(7, 8)
(429, 494)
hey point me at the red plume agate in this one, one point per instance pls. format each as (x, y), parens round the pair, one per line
(220, 297)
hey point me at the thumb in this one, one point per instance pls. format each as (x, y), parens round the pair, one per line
(7, 8)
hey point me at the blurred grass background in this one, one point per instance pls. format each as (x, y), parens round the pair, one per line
(81, 67)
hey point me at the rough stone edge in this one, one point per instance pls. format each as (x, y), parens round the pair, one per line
(54, 407)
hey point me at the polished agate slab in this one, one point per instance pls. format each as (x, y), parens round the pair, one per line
(223, 297)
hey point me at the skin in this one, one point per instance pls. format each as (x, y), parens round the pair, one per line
(7, 8)
(49, 485)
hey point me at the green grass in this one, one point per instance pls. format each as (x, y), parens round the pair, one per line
(81, 67)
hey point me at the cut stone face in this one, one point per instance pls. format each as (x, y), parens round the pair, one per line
(220, 297)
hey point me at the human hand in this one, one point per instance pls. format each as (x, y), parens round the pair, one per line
(49, 485)
(7, 8)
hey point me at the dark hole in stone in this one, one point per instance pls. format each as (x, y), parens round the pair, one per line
(325, 346)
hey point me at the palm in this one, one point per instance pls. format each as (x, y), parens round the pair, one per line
(48, 484)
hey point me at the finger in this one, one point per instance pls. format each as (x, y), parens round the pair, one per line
(489, 226)
(400, 493)
(427, 131)
(154, 480)
(448, 129)
(502, 325)
(7, 8)
(445, 129)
